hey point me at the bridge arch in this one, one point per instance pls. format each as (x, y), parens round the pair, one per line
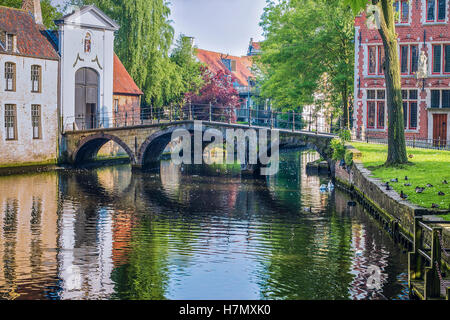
(152, 148)
(89, 147)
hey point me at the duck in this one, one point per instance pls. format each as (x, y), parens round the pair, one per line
(419, 190)
(403, 196)
(407, 184)
(429, 185)
(440, 193)
(394, 180)
(406, 178)
(445, 182)
(435, 206)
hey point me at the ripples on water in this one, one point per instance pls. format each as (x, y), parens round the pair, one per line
(110, 234)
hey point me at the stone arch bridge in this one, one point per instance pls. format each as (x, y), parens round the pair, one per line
(145, 144)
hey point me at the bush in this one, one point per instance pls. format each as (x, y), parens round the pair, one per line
(338, 147)
(348, 158)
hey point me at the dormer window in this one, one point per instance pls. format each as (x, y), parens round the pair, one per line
(229, 64)
(9, 42)
(87, 43)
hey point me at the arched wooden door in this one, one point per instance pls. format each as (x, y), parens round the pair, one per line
(86, 98)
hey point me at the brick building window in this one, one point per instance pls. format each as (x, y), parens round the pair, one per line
(402, 9)
(36, 78)
(376, 60)
(410, 108)
(376, 107)
(440, 99)
(409, 59)
(436, 10)
(441, 59)
(11, 122)
(10, 76)
(36, 121)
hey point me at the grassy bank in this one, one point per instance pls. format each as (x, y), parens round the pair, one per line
(426, 167)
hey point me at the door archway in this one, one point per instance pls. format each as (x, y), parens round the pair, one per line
(86, 98)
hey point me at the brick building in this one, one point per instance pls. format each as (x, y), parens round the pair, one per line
(424, 44)
(126, 96)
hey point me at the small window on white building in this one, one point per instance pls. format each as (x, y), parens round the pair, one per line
(35, 78)
(36, 120)
(10, 76)
(11, 122)
(87, 43)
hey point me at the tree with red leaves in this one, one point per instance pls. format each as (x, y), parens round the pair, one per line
(218, 91)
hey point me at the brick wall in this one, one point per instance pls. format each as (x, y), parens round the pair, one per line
(415, 32)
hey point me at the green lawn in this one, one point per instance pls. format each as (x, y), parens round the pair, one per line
(427, 166)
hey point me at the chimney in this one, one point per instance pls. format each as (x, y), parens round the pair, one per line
(34, 8)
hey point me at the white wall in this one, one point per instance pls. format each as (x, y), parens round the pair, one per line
(26, 150)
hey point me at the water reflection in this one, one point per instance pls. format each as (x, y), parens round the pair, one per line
(111, 234)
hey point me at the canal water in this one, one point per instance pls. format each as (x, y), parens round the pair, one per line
(191, 234)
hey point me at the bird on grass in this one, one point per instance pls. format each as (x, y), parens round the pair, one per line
(419, 190)
(435, 206)
(429, 185)
(394, 180)
(407, 184)
(440, 193)
(388, 187)
(403, 196)
(406, 178)
(411, 156)
(445, 182)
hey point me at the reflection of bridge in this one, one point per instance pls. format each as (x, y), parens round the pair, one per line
(145, 143)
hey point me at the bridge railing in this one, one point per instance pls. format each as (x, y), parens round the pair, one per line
(205, 112)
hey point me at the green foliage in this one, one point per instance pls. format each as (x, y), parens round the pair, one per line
(345, 135)
(348, 158)
(356, 5)
(338, 147)
(49, 12)
(308, 48)
(187, 67)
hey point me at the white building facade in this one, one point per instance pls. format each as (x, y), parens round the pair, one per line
(28, 90)
(86, 46)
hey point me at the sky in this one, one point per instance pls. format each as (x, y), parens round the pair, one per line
(219, 25)
(224, 26)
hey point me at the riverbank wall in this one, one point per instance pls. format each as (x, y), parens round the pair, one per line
(395, 214)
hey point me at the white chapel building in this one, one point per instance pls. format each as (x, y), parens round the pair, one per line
(86, 47)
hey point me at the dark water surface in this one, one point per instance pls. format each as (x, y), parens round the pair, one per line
(110, 234)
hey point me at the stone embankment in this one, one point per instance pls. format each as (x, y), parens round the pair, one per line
(395, 214)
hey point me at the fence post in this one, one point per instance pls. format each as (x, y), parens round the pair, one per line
(210, 112)
(190, 111)
(249, 116)
(271, 119)
(230, 114)
(170, 113)
(293, 120)
(432, 280)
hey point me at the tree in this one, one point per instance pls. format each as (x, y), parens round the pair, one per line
(49, 12)
(218, 91)
(383, 12)
(188, 68)
(304, 42)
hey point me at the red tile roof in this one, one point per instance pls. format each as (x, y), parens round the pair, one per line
(213, 61)
(30, 39)
(123, 83)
